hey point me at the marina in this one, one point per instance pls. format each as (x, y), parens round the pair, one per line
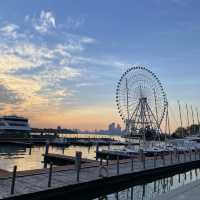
(99, 100)
(92, 176)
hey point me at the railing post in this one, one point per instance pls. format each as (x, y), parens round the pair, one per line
(13, 180)
(46, 153)
(107, 160)
(30, 149)
(171, 157)
(117, 165)
(178, 157)
(50, 174)
(97, 150)
(78, 165)
(190, 155)
(101, 161)
(195, 154)
(199, 153)
(184, 156)
(132, 163)
(155, 159)
(163, 158)
(143, 159)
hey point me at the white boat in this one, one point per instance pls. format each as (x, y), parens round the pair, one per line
(14, 125)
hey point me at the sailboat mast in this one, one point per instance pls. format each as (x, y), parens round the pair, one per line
(168, 122)
(180, 115)
(192, 118)
(188, 120)
(197, 115)
(197, 118)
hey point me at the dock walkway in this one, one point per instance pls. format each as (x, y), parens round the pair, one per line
(65, 177)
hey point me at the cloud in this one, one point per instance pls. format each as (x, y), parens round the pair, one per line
(42, 72)
(10, 62)
(10, 30)
(8, 96)
(45, 22)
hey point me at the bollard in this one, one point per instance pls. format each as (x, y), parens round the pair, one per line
(117, 165)
(78, 165)
(50, 174)
(155, 158)
(13, 180)
(171, 157)
(107, 159)
(97, 150)
(132, 163)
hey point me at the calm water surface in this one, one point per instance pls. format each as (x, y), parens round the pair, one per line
(11, 155)
(15, 155)
(151, 190)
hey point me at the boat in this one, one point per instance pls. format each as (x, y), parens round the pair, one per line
(13, 124)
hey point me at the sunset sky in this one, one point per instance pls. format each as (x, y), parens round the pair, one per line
(60, 60)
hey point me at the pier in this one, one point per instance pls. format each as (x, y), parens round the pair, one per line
(92, 178)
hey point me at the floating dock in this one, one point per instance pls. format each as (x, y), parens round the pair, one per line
(58, 159)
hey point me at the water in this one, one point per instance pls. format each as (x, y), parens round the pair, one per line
(11, 155)
(15, 155)
(151, 190)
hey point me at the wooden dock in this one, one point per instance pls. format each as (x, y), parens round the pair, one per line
(94, 178)
(58, 159)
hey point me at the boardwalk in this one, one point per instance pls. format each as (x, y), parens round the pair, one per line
(37, 180)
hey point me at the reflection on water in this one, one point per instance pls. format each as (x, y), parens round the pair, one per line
(151, 190)
(11, 155)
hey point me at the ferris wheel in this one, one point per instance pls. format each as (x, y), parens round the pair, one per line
(141, 100)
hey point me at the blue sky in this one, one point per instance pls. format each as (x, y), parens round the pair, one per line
(60, 60)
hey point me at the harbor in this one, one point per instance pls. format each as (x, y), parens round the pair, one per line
(99, 100)
(76, 180)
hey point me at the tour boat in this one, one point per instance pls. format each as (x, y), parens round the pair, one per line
(14, 125)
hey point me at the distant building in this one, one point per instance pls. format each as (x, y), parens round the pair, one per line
(112, 129)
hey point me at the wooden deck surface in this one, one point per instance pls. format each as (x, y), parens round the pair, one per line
(37, 180)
